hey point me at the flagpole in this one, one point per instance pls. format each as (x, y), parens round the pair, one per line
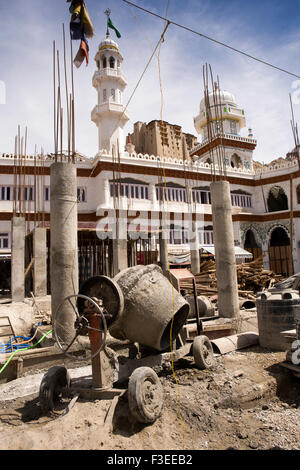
(107, 13)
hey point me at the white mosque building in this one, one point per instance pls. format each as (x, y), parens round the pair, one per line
(148, 187)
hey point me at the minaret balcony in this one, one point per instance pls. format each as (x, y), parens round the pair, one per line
(108, 109)
(107, 74)
(227, 138)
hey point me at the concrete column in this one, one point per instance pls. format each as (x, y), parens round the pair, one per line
(152, 195)
(195, 262)
(40, 261)
(17, 259)
(120, 257)
(63, 248)
(106, 193)
(153, 242)
(194, 247)
(228, 303)
(163, 251)
(265, 254)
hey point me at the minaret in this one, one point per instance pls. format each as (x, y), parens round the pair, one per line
(227, 119)
(233, 117)
(109, 114)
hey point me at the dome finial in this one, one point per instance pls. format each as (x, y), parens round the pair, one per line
(107, 13)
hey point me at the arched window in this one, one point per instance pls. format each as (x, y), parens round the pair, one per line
(104, 95)
(277, 200)
(112, 62)
(236, 161)
(104, 62)
(113, 94)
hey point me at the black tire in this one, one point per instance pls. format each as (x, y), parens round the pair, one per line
(203, 353)
(145, 395)
(54, 383)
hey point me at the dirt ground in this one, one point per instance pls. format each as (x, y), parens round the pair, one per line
(247, 402)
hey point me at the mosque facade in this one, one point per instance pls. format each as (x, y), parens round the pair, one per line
(148, 186)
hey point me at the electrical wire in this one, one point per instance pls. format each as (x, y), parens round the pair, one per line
(29, 347)
(213, 40)
(170, 277)
(9, 346)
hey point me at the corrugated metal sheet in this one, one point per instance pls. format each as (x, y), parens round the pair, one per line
(239, 252)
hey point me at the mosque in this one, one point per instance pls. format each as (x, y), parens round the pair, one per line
(159, 172)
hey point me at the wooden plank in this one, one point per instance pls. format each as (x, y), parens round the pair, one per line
(290, 366)
(6, 331)
(28, 268)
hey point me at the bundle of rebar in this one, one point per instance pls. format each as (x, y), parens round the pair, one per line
(58, 110)
(25, 191)
(215, 132)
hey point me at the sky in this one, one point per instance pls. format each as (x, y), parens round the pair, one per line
(267, 29)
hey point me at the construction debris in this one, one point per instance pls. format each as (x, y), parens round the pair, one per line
(252, 278)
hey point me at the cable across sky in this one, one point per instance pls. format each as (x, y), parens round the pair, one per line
(212, 39)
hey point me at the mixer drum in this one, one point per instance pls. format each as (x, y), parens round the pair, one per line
(150, 303)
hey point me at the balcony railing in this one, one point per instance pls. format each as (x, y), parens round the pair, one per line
(108, 72)
(206, 237)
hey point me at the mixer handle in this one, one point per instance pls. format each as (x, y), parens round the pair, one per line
(82, 324)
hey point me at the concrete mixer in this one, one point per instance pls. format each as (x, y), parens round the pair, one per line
(138, 311)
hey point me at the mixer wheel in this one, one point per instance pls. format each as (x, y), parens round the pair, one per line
(203, 352)
(145, 395)
(54, 383)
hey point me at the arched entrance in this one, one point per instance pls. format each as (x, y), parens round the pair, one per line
(251, 244)
(279, 252)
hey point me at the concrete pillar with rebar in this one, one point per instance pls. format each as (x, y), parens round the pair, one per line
(194, 249)
(228, 301)
(63, 244)
(163, 250)
(40, 261)
(17, 259)
(119, 243)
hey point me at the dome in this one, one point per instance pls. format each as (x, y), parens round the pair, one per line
(225, 98)
(108, 43)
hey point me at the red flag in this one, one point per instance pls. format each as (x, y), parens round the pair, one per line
(83, 53)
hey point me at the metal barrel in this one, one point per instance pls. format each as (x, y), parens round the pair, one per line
(205, 306)
(277, 311)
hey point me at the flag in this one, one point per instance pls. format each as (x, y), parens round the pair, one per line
(83, 53)
(81, 28)
(80, 20)
(110, 25)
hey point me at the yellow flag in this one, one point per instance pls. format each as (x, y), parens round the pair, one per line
(85, 19)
